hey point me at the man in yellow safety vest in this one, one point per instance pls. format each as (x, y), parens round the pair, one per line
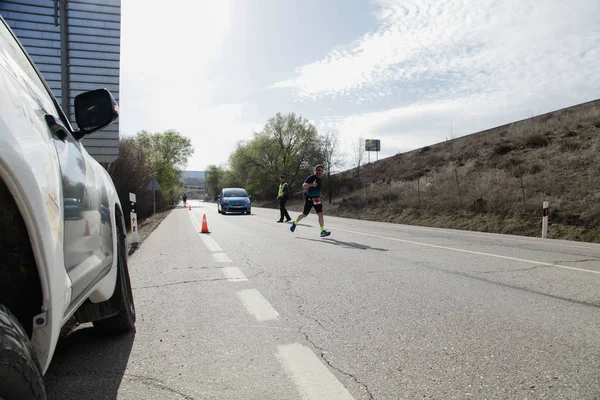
(282, 196)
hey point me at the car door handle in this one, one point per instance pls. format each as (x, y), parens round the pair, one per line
(56, 126)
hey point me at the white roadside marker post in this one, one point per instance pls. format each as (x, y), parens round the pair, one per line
(133, 215)
(545, 220)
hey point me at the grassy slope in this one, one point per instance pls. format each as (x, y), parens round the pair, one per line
(493, 181)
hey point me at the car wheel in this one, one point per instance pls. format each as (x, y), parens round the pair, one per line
(19, 369)
(124, 320)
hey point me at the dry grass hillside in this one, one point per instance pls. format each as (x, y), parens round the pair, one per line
(492, 181)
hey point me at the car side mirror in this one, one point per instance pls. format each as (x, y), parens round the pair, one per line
(94, 110)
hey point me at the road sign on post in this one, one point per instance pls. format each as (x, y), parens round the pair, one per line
(154, 186)
(372, 145)
(133, 216)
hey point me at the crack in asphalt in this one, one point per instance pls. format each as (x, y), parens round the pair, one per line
(181, 283)
(576, 261)
(322, 355)
(513, 270)
(257, 274)
(301, 312)
(321, 351)
(158, 384)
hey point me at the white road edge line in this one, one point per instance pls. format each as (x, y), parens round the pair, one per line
(472, 252)
(313, 379)
(524, 239)
(221, 257)
(234, 274)
(257, 305)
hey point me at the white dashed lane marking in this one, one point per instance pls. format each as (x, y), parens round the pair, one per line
(257, 305)
(311, 376)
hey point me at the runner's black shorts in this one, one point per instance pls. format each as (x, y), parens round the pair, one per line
(315, 202)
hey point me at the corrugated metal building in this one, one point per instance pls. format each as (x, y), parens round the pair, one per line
(83, 55)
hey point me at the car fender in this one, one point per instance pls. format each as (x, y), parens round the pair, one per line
(104, 290)
(30, 169)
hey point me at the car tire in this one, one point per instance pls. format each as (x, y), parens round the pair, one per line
(20, 373)
(124, 320)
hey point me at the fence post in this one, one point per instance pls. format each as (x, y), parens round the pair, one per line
(419, 191)
(545, 220)
(133, 216)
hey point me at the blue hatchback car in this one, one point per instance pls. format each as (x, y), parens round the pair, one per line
(233, 200)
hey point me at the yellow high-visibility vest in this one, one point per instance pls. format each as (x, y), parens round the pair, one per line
(281, 187)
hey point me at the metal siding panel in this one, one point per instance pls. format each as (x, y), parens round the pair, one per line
(95, 15)
(95, 141)
(35, 3)
(90, 55)
(99, 8)
(40, 43)
(84, 62)
(116, 41)
(98, 150)
(94, 53)
(39, 59)
(48, 68)
(93, 32)
(94, 24)
(7, 6)
(22, 34)
(95, 79)
(95, 71)
(114, 3)
(37, 51)
(105, 134)
(87, 46)
(29, 17)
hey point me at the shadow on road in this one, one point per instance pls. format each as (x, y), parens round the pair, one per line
(88, 366)
(348, 245)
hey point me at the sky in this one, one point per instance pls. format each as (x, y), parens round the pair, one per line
(409, 73)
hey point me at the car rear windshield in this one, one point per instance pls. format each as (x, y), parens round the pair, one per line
(235, 193)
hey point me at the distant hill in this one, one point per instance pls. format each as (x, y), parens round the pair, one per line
(495, 180)
(193, 178)
(492, 181)
(194, 174)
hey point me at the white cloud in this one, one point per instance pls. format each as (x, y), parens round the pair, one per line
(466, 46)
(474, 65)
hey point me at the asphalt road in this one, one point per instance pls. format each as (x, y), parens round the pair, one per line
(374, 311)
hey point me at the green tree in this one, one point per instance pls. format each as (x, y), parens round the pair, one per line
(288, 144)
(213, 180)
(169, 152)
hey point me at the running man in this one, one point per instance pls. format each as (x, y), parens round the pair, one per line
(313, 198)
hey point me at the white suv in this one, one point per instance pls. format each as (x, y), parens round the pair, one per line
(63, 238)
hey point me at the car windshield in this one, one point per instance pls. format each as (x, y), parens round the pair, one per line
(235, 193)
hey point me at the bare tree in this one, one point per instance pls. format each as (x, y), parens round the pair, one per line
(358, 152)
(334, 158)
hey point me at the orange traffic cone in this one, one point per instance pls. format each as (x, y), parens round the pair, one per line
(204, 225)
(190, 208)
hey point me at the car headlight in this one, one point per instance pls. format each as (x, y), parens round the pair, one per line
(247, 201)
(225, 201)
